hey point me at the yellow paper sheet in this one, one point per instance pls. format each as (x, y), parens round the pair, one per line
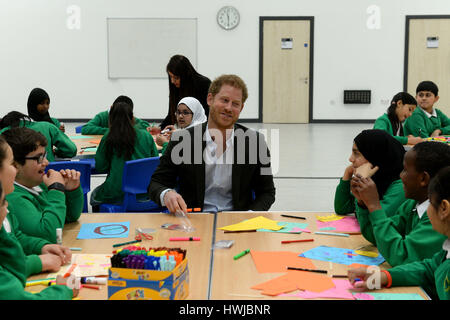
(253, 224)
(332, 217)
(367, 253)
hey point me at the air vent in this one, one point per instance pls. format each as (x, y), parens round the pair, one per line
(357, 96)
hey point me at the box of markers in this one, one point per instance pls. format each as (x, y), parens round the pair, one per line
(144, 284)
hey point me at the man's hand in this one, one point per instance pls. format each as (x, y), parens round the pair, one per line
(174, 202)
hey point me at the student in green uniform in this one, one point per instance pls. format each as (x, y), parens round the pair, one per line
(373, 148)
(402, 106)
(41, 202)
(15, 267)
(38, 105)
(408, 235)
(427, 121)
(433, 274)
(100, 123)
(41, 254)
(122, 142)
(57, 142)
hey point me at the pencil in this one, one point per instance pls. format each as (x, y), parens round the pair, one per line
(310, 270)
(125, 243)
(303, 240)
(297, 217)
(339, 276)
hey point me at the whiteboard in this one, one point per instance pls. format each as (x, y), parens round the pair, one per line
(142, 47)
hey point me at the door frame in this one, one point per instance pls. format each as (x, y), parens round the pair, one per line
(408, 19)
(311, 60)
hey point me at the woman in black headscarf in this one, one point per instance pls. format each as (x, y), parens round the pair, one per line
(38, 105)
(371, 149)
(184, 81)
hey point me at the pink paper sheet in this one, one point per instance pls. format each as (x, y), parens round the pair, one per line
(341, 291)
(346, 224)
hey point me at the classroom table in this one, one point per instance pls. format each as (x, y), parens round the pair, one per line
(85, 141)
(233, 279)
(198, 252)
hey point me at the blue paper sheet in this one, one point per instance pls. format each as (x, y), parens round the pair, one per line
(104, 230)
(393, 296)
(80, 137)
(289, 227)
(340, 255)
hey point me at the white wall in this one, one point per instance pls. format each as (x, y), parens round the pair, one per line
(38, 50)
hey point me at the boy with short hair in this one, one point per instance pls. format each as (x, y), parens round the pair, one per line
(408, 235)
(41, 202)
(427, 121)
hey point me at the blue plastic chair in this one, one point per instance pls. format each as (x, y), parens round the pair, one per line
(135, 180)
(78, 128)
(85, 178)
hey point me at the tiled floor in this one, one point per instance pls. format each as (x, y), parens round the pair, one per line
(307, 161)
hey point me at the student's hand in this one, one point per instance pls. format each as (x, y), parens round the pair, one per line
(348, 173)
(50, 262)
(62, 252)
(63, 281)
(161, 139)
(169, 129)
(363, 275)
(53, 176)
(366, 170)
(414, 140)
(174, 202)
(62, 127)
(71, 178)
(367, 192)
(436, 133)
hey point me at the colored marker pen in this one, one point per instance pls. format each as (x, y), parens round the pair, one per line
(185, 239)
(243, 253)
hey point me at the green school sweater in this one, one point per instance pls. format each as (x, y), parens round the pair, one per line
(56, 122)
(383, 123)
(433, 274)
(402, 238)
(345, 202)
(40, 215)
(32, 246)
(111, 190)
(56, 139)
(100, 124)
(419, 125)
(13, 274)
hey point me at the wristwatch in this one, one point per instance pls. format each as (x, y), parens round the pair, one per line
(57, 186)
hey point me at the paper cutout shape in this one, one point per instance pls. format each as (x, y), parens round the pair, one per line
(292, 280)
(287, 227)
(332, 217)
(253, 224)
(340, 255)
(104, 230)
(277, 261)
(387, 296)
(345, 224)
(371, 254)
(341, 291)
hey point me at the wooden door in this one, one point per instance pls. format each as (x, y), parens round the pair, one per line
(286, 75)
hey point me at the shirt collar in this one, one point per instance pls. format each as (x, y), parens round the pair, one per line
(446, 247)
(35, 190)
(209, 139)
(422, 208)
(429, 115)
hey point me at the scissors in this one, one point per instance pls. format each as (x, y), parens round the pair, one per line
(141, 235)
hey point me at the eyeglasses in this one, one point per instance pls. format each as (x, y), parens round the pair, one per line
(184, 113)
(39, 158)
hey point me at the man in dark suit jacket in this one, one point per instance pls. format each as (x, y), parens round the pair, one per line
(218, 165)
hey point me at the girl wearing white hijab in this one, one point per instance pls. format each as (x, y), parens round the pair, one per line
(189, 113)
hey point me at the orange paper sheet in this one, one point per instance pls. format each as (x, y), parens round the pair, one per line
(96, 141)
(302, 280)
(277, 261)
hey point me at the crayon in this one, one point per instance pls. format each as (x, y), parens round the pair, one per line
(243, 253)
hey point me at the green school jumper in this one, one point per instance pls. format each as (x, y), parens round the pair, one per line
(40, 214)
(432, 274)
(56, 122)
(32, 246)
(402, 238)
(419, 125)
(100, 124)
(64, 147)
(383, 123)
(111, 190)
(345, 202)
(13, 274)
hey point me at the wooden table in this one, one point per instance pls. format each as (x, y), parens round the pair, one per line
(198, 252)
(233, 279)
(84, 143)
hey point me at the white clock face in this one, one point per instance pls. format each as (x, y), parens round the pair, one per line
(228, 17)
